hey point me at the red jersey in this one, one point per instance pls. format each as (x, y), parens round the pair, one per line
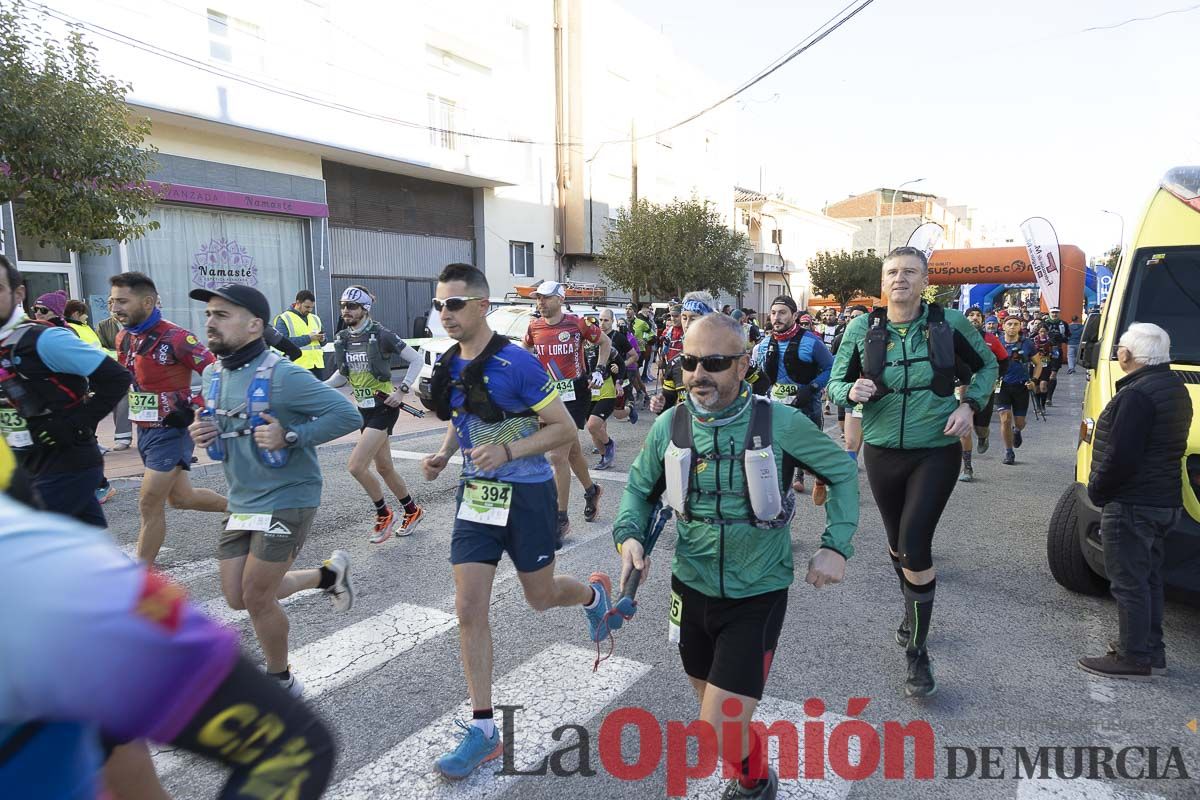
(560, 347)
(993, 341)
(161, 360)
(672, 343)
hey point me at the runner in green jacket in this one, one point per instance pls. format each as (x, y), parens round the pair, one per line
(911, 424)
(730, 576)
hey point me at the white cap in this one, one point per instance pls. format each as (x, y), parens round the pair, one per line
(551, 288)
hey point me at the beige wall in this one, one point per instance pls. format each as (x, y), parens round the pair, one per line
(178, 141)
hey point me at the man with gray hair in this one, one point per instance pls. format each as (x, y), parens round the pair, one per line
(1140, 439)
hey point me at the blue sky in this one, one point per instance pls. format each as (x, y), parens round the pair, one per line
(1009, 107)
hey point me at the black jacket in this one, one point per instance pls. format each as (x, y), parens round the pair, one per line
(1140, 440)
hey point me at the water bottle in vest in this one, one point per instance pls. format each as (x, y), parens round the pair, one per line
(260, 392)
(24, 402)
(215, 448)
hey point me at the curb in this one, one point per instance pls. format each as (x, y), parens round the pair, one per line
(206, 470)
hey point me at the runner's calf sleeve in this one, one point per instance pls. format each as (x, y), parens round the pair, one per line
(896, 565)
(919, 606)
(273, 743)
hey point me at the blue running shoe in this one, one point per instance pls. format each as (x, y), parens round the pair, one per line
(633, 413)
(610, 455)
(473, 750)
(597, 616)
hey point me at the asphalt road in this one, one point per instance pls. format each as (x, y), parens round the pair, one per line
(1005, 638)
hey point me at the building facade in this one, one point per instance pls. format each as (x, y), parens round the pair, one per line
(885, 218)
(783, 238)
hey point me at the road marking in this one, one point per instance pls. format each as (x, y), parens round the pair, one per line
(1062, 789)
(556, 687)
(597, 475)
(191, 570)
(347, 654)
(771, 710)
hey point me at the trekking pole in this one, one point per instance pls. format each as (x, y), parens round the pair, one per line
(626, 604)
(416, 412)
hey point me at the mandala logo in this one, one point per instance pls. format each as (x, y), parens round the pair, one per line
(223, 261)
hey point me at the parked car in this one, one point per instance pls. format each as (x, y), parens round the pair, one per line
(1158, 281)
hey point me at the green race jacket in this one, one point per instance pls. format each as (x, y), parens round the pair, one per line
(910, 421)
(739, 560)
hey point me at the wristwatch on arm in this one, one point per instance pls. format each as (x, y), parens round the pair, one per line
(974, 404)
(291, 437)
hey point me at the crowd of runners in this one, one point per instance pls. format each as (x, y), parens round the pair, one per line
(740, 407)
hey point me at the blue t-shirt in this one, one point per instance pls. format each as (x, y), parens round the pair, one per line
(61, 350)
(1019, 354)
(516, 381)
(812, 349)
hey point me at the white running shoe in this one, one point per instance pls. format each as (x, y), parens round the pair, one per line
(292, 685)
(342, 591)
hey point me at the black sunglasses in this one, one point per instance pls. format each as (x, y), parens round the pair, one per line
(352, 306)
(453, 304)
(41, 310)
(710, 363)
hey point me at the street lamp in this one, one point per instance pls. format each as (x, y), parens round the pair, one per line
(892, 216)
(1121, 241)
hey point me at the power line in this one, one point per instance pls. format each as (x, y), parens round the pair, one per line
(1141, 19)
(811, 40)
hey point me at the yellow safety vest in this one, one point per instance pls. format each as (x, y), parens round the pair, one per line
(314, 356)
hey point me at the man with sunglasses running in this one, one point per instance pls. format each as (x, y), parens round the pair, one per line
(732, 567)
(695, 305)
(363, 353)
(557, 340)
(505, 416)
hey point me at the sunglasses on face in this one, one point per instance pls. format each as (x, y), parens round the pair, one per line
(710, 363)
(41, 310)
(453, 304)
(351, 306)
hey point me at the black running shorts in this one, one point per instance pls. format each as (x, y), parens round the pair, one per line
(728, 643)
(1013, 397)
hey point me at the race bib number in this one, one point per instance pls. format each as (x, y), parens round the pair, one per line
(486, 502)
(857, 411)
(248, 522)
(143, 406)
(16, 431)
(676, 616)
(365, 398)
(566, 390)
(784, 393)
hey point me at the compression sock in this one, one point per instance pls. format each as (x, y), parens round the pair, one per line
(327, 579)
(919, 600)
(899, 571)
(753, 769)
(381, 508)
(1050, 393)
(966, 459)
(483, 719)
(409, 506)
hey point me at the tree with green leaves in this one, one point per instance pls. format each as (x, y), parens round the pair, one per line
(1112, 258)
(843, 275)
(70, 153)
(668, 250)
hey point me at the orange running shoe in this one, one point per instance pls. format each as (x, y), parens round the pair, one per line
(410, 522)
(383, 527)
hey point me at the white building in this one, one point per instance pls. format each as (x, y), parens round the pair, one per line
(314, 144)
(783, 239)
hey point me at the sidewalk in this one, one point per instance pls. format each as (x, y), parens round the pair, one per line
(128, 464)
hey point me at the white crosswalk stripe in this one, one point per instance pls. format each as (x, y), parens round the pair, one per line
(556, 687)
(772, 710)
(1063, 789)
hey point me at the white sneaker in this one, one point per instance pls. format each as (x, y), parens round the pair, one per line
(292, 685)
(342, 591)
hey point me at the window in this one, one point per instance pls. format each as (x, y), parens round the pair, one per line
(520, 258)
(234, 41)
(29, 248)
(1164, 288)
(441, 122)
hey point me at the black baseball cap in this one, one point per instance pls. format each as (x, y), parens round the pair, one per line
(239, 294)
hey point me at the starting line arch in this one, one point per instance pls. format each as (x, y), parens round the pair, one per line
(1010, 265)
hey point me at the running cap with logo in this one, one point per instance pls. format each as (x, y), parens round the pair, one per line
(784, 300)
(353, 294)
(550, 289)
(240, 295)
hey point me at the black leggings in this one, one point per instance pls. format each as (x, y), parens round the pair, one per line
(911, 488)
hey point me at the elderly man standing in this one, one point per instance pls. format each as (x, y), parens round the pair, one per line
(1136, 480)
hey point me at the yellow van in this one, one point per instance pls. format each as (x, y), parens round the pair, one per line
(1158, 280)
